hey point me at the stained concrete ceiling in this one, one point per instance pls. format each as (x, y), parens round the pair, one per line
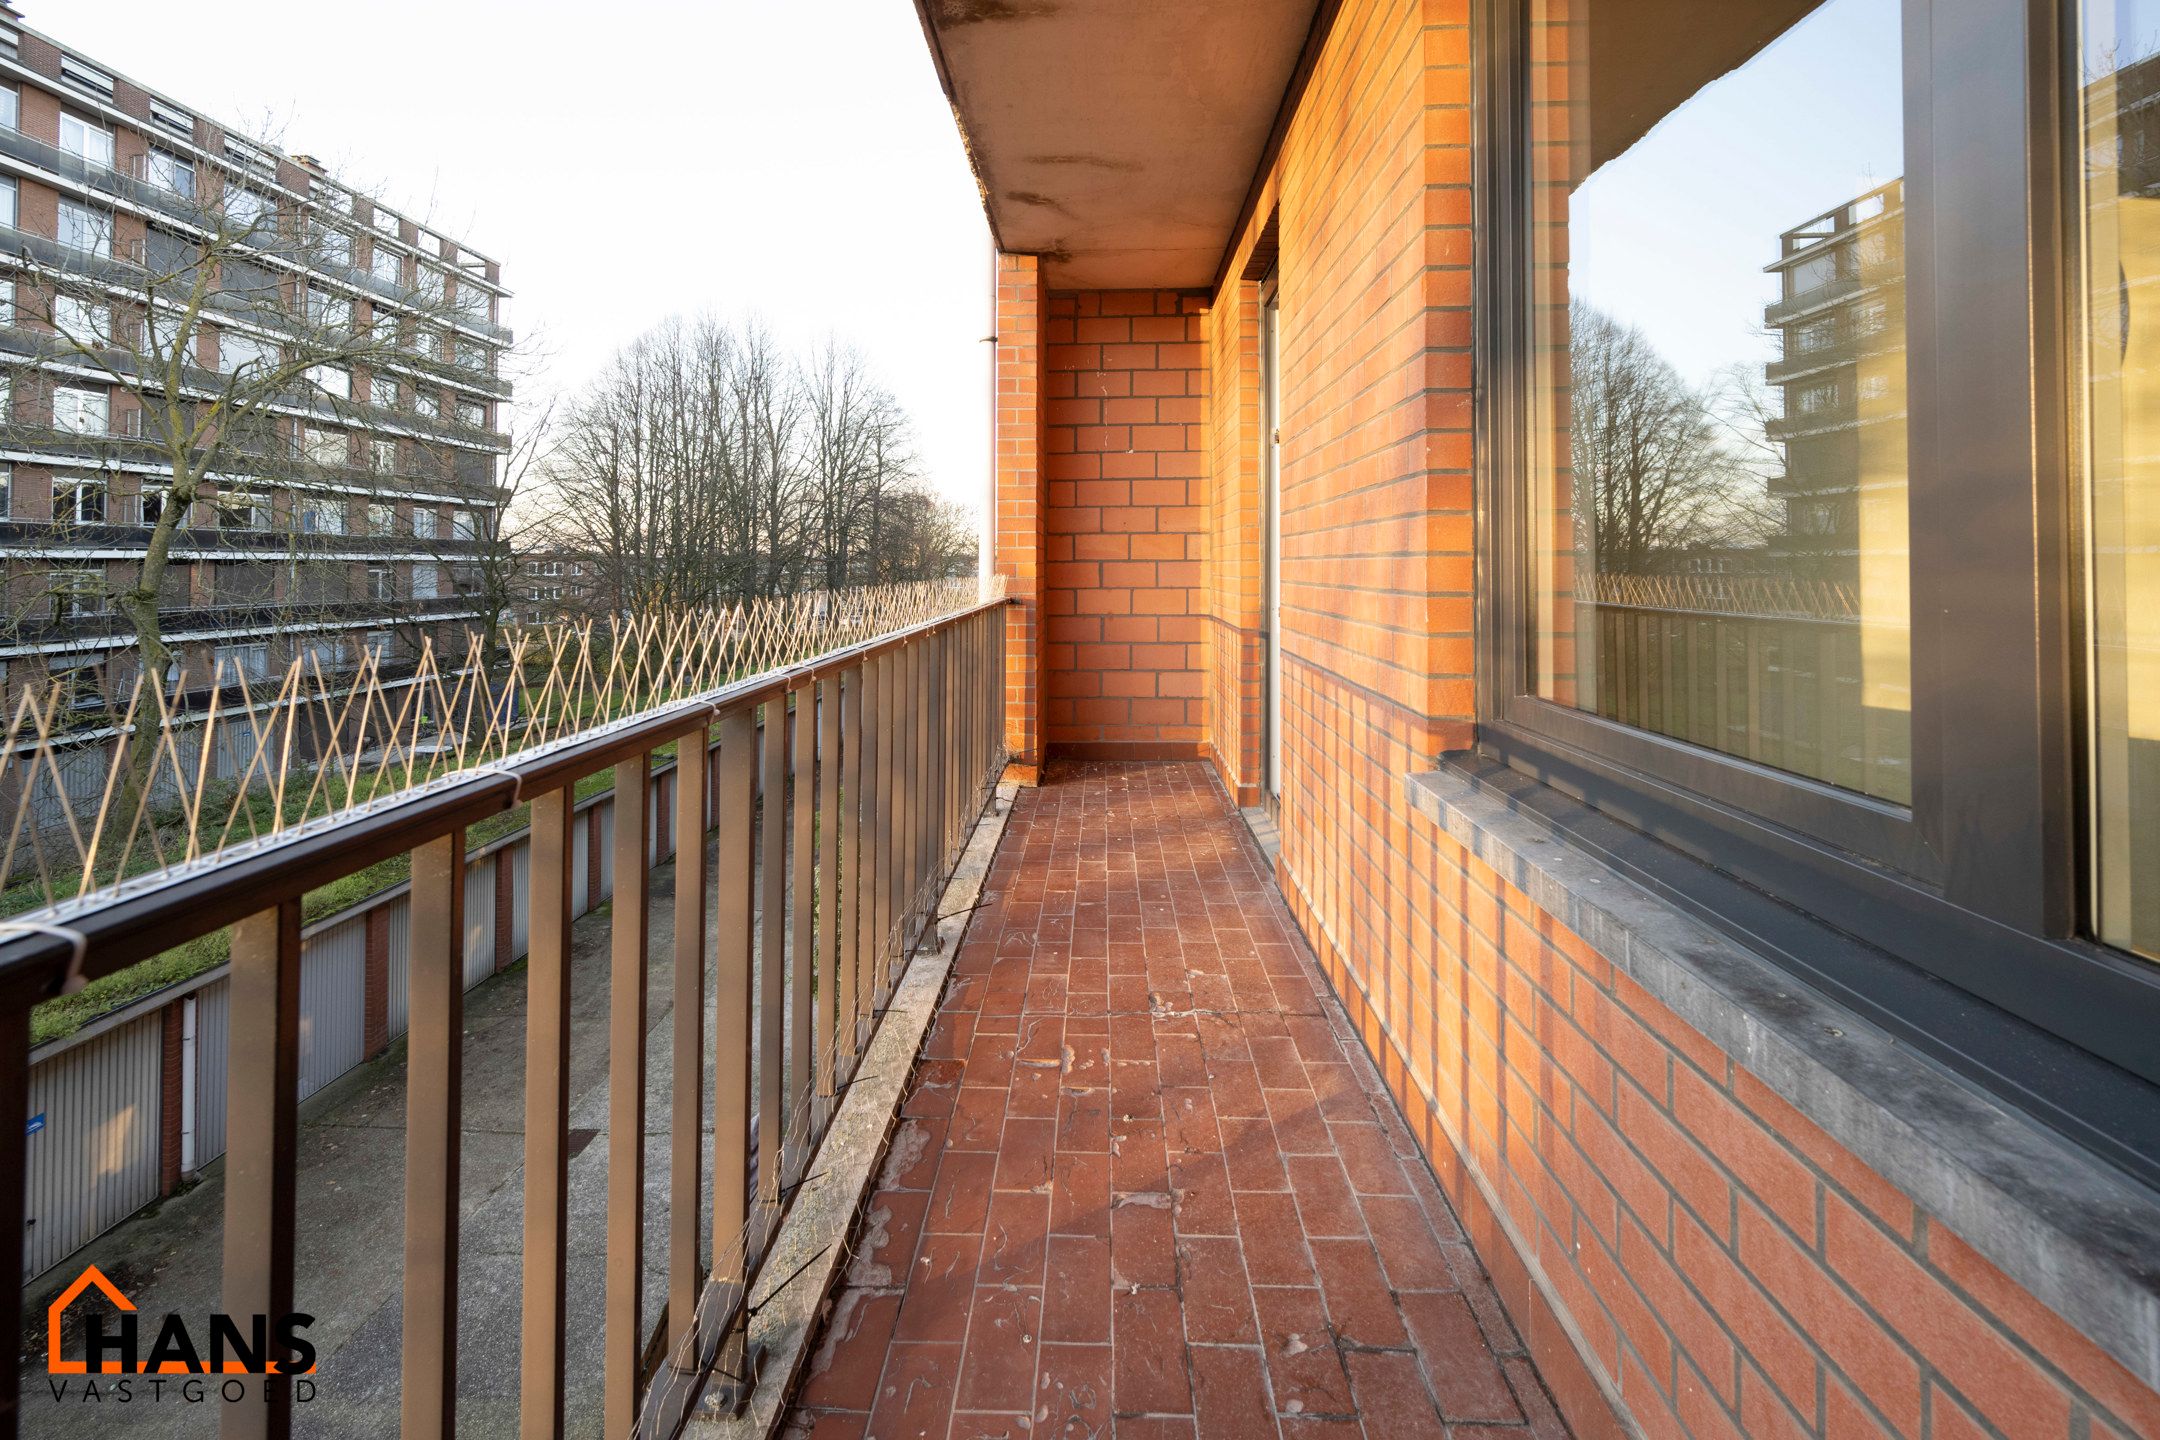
(1117, 138)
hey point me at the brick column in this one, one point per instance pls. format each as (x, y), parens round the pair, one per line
(375, 987)
(169, 1086)
(1019, 501)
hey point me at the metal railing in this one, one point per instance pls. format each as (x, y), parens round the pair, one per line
(835, 820)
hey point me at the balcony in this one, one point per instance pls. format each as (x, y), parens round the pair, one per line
(121, 540)
(1141, 1163)
(190, 622)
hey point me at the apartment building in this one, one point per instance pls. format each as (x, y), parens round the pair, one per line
(550, 584)
(339, 522)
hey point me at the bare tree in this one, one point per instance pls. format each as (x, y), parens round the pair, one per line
(1651, 476)
(704, 465)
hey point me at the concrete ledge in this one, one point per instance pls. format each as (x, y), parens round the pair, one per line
(2077, 1234)
(812, 1244)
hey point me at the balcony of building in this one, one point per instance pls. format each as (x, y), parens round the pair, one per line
(917, 1036)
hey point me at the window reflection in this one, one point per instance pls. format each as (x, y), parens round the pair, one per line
(2119, 89)
(1718, 533)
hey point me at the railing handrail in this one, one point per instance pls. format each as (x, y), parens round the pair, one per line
(107, 930)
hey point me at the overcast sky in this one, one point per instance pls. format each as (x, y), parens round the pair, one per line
(630, 160)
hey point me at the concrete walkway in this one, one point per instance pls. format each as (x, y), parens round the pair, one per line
(351, 1223)
(1147, 1182)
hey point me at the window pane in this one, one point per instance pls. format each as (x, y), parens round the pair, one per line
(2117, 89)
(1717, 513)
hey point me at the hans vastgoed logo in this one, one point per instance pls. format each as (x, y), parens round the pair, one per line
(122, 1363)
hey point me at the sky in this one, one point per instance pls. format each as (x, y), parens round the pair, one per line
(1672, 235)
(630, 161)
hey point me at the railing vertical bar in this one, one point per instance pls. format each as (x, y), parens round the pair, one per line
(772, 973)
(262, 1086)
(847, 1020)
(869, 720)
(734, 864)
(905, 773)
(926, 749)
(624, 1337)
(434, 1072)
(547, 1117)
(885, 795)
(802, 797)
(685, 1274)
(947, 737)
(829, 824)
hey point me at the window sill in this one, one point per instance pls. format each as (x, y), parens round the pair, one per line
(2069, 1227)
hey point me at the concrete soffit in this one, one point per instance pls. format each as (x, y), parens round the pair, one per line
(1118, 139)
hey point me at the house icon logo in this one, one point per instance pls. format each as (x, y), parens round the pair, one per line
(261, 1346)
(91, 1277)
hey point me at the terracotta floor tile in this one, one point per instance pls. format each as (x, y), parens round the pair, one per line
(1076, 1295)
(1251, 1154)
(978, 1118)
(1275, 1250)
(1084, 1121)
(912, 1155)
(940, 1288)
(885, 1240)
(1143, 1246)
(1369, 1160)
(961, 1197)
(1140, 1124)
(1200, 1196)
(1004, 1329)
(1013, 1235)
(1218, 1299)
(1325, 1202)
(1408, 1252)
(845, 1367)
(1360, 1306)
(1230, 1393)
(1391, 1396)
(1300, 1350)
(1023, 1161)
(915, 1396)
(1466, 1379)
(1073, 1392)
(1137, 1158)
(1147, 1337)
(1080, 1194)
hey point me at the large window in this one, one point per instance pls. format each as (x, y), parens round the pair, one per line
(2118, 86)
(85, 229)
(237, 351)
(170, 172)
(86, 139)
(79, 499)
(84, 321)
(1782, 481)
(81, 412)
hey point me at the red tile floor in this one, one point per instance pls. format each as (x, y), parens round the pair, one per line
(1146, 1182)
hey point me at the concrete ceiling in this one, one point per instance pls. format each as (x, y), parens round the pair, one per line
(1117, 138)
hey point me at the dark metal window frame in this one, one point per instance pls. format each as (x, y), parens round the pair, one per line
(1980, 881)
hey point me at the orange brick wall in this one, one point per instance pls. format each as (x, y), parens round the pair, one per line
(1021, 306)
(1672, 1237)
(1233, 597)
(1125, 524)
(1675, 1241)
